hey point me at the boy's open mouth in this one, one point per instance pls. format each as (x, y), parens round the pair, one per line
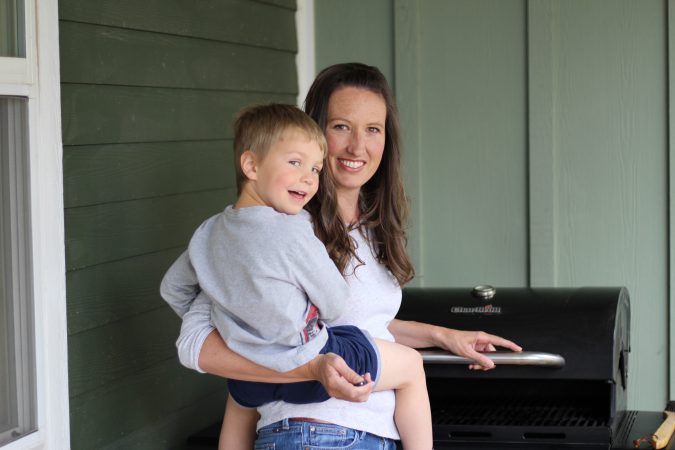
(298, 194)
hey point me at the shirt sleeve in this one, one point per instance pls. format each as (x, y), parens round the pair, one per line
(321, 280)
(195, 328)
(180, 286)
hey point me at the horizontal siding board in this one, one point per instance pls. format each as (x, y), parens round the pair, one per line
(108, 293)
(99, 356)
(172, 429)
(288, 4)
(237, 21)
(140, 58)
(114, 231)
(118, 409)
(96, 174)
(95, 114)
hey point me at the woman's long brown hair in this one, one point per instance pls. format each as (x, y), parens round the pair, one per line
(383, 203)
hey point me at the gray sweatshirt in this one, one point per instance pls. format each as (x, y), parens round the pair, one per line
(374, 299)
(265, 274)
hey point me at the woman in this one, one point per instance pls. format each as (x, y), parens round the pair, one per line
(353, 104)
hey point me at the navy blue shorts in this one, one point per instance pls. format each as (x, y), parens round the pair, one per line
(351, 343)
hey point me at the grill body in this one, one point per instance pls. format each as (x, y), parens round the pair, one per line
(581, 404)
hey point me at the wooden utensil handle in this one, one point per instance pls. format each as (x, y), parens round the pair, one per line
(664, 432)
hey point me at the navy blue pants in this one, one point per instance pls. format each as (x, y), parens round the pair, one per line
(349, 342)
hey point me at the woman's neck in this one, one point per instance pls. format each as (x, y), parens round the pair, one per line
(348, 206)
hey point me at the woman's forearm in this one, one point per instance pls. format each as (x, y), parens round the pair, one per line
(200, 347)
(330, 370)
(414, 334)
(217, 359)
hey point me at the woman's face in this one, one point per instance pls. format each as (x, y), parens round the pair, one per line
(355, 132)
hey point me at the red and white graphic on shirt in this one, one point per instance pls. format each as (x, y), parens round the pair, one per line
(312, 327)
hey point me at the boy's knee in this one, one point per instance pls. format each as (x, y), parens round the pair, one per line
(413, 357)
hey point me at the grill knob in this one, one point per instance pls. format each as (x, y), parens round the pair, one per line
(484, 292)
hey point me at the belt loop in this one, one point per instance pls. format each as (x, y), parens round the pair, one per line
(284, 425)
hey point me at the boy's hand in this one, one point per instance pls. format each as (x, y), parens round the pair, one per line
(339, 380)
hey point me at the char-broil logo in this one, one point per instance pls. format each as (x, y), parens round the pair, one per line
(487, 310)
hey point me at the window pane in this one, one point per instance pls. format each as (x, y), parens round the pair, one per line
(17, 354)
(12, 34)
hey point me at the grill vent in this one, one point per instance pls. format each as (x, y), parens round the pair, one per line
(523, 413)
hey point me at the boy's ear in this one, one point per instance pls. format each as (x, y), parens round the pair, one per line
(249, 164)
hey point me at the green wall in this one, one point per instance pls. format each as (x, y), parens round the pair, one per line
(538, 149)
(149, 89)
(354, 30)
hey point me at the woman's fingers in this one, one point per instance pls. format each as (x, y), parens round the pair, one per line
(501, 342)
(340, 380)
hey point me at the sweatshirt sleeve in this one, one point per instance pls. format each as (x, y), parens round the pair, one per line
(180, 286)
(194, 330)
(321, 280)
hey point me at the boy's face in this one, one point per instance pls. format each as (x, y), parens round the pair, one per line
(288, 175)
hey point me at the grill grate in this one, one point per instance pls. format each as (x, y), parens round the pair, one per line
(522, 413)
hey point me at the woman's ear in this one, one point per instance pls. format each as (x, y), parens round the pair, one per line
(249, 164)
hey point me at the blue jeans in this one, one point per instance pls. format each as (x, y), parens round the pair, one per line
(295, 435)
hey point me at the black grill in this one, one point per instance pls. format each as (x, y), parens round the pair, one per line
(580, 403)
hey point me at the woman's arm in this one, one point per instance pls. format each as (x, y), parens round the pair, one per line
(201, 347)
(462, 343)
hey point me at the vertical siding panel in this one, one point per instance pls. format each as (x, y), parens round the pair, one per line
(671, 191)
(472, 126)
(542, 70)
(406, 75)
(612, 224)
(363, 33)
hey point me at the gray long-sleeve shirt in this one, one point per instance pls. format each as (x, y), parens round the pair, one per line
(374, 299)
(265, 274)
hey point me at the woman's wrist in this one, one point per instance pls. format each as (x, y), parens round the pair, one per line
(312, 370)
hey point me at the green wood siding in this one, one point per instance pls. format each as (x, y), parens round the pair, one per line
(354, 30)
(149, 90)
(539, 150)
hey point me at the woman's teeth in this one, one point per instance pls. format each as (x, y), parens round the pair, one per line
(352, 164)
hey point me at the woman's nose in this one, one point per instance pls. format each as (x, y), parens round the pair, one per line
(357, 145)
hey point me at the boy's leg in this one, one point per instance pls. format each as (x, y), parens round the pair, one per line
(238, 430)
(402, 370)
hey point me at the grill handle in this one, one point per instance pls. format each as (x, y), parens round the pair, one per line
(506, 358)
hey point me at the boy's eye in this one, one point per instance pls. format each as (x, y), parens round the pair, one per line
(316, 170)
(294, 163)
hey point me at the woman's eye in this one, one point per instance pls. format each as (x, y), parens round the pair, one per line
(374, 129)
(340, 126)
(294, 163)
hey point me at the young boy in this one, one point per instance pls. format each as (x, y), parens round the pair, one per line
(273, 286)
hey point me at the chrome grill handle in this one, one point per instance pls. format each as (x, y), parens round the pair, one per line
(551, 360)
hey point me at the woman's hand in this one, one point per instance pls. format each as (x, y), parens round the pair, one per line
(470, 343)
(461, 343)
(339, 380)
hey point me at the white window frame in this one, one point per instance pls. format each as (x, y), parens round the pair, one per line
(37, 78)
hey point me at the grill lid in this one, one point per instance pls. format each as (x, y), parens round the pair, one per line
(588, 327)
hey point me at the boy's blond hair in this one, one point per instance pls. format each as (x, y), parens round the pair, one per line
(258, 127)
